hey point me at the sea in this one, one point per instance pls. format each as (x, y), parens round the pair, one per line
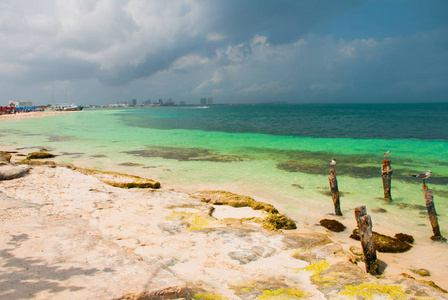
(278, 154)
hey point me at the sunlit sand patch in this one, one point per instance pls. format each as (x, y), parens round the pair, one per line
(225, 211)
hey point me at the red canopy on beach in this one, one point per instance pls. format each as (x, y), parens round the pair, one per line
(7, 108)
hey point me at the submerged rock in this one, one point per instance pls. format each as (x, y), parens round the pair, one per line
(121, 180)
(185, 154)
(379, 210)
(332, 225)
(384, 243)
(421, 272)
(130, 164)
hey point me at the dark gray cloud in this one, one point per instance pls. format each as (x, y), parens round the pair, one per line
(234, 51)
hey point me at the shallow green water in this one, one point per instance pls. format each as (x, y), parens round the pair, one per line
(286, 170)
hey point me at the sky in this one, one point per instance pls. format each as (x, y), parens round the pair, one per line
(234, 51)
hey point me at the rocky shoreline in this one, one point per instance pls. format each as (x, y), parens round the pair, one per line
(68, 233)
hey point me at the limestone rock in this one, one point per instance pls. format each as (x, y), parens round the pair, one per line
(305, 241)
(8, 172)
(121, 180)
(234, 200)
(172, 292)
(275, 220)
(244, 256)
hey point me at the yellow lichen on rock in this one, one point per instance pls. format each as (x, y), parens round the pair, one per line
(280, 294)
(207, 296)
(315, 268)
(195, 221)
(372, 290)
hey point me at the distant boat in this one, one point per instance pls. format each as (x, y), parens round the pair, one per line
(66, 107)
(73, 107)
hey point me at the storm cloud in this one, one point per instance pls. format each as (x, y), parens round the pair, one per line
(107, 51)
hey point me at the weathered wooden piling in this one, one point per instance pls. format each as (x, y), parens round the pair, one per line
(387, 178)
(368, 246)
(429, 200)
(335, 192)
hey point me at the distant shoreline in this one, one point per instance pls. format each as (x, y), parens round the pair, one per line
(31, 115)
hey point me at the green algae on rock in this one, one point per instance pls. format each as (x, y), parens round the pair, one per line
(384, 243)
(277, 222)
(121, 180)
(40, 155)
(37, 162)
(5, 156)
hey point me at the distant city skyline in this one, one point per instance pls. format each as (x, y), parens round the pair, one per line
(231, 51)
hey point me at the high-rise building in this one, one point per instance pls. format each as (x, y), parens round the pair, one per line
(134, 102)
(203, 101)
(209, 101)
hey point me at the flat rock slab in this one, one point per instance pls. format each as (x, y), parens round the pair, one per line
(8, 172)
(46, 256)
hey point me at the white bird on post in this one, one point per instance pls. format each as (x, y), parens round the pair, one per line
(424, 175)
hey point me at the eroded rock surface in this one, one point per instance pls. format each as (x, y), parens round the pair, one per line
(8, 172)
(70, 236)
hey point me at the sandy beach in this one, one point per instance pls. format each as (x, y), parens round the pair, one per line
(69, 234)
(29, 115)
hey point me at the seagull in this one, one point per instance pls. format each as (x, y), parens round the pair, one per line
(424, 175)
(333, 162)
(386, 154)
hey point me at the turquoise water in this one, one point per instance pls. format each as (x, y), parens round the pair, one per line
(277, 154)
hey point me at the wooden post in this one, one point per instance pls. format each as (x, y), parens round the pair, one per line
(368, 246)
(387, 177)
(335, 192)
(429, 200)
